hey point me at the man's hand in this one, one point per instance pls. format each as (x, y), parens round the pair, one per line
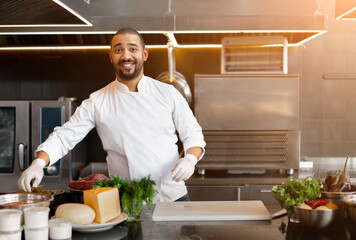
(184, 168)
(34, 171)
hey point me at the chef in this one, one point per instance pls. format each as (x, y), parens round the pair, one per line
(137, 119)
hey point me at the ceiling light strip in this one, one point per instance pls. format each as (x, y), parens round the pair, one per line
(108, 47)
(89, 24)
(69, 47)
(310, 38)
(42, 25)
(347, 12)
(199, 46)
(156, 32)
(247, 31)
(58, 33)
(346, 18)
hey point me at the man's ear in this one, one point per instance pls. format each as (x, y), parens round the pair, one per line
(145, 54)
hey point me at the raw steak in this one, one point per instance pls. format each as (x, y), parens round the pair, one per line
(86, 182)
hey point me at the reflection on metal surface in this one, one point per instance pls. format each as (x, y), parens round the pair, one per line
(247, 101)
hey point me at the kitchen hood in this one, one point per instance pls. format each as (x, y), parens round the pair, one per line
(186, 22)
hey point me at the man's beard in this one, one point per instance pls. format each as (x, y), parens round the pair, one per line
(129, 76)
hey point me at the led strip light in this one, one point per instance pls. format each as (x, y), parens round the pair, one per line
(341, 17)
(170, 36)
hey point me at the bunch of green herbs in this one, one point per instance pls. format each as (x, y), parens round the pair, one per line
(132, 194)
(296, 191)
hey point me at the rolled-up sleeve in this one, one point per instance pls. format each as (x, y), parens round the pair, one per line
(189, 130)
(64, 138)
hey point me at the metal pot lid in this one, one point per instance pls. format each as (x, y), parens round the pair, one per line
(179, 82)
(175, 78)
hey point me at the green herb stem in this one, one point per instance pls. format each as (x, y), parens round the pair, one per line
(132, 193)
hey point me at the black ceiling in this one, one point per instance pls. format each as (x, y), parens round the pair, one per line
(18, 12)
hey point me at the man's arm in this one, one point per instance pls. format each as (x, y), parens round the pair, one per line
(43, 155)
(196, 151)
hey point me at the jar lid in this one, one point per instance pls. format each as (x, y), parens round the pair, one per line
(11, 232)
(60, 222)
(36, 209)
(35, 228)
(10, 212)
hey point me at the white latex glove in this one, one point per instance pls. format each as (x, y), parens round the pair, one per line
(184, 168)
(34, 171)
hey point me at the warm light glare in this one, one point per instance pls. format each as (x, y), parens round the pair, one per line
(344, 14)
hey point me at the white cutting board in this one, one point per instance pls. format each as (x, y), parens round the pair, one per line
(210, 211)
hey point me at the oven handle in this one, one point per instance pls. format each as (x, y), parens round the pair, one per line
(22, 153)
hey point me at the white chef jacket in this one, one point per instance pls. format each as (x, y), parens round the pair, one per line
(137, 129)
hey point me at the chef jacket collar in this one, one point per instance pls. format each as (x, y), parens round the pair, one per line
(142, 86)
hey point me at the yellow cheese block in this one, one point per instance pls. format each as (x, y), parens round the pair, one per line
(105, 202)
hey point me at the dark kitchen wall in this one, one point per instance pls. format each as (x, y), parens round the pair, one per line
(49, 74)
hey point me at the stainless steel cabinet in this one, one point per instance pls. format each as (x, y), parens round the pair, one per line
(261, 192)
(232, 193)
(217, 193)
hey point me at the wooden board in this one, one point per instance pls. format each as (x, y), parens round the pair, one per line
(210, 211)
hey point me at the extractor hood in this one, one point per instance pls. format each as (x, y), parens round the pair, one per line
(185, 22)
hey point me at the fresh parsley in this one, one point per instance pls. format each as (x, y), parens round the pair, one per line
(296, 191)
(132, 193)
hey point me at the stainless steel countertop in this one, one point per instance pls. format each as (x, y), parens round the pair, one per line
(275, 229)
(147, 229)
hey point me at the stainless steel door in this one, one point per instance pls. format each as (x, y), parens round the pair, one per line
(247, 102)
(45, 116)
(14, 142)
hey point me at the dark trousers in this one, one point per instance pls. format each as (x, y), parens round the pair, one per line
(184, 198)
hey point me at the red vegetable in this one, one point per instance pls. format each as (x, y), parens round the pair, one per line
(318, 202)
(15, 203)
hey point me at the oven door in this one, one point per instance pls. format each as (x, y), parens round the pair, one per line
(14, 143)
(45, 116)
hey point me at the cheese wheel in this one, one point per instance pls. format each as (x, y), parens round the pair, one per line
(78, 213)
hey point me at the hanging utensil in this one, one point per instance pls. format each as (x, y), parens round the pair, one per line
(175, 78)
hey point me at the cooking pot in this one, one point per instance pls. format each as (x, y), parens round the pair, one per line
(175, 78)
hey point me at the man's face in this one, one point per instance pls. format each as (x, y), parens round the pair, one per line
(127, 56)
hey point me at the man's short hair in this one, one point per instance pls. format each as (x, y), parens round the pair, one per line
(130, 31)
